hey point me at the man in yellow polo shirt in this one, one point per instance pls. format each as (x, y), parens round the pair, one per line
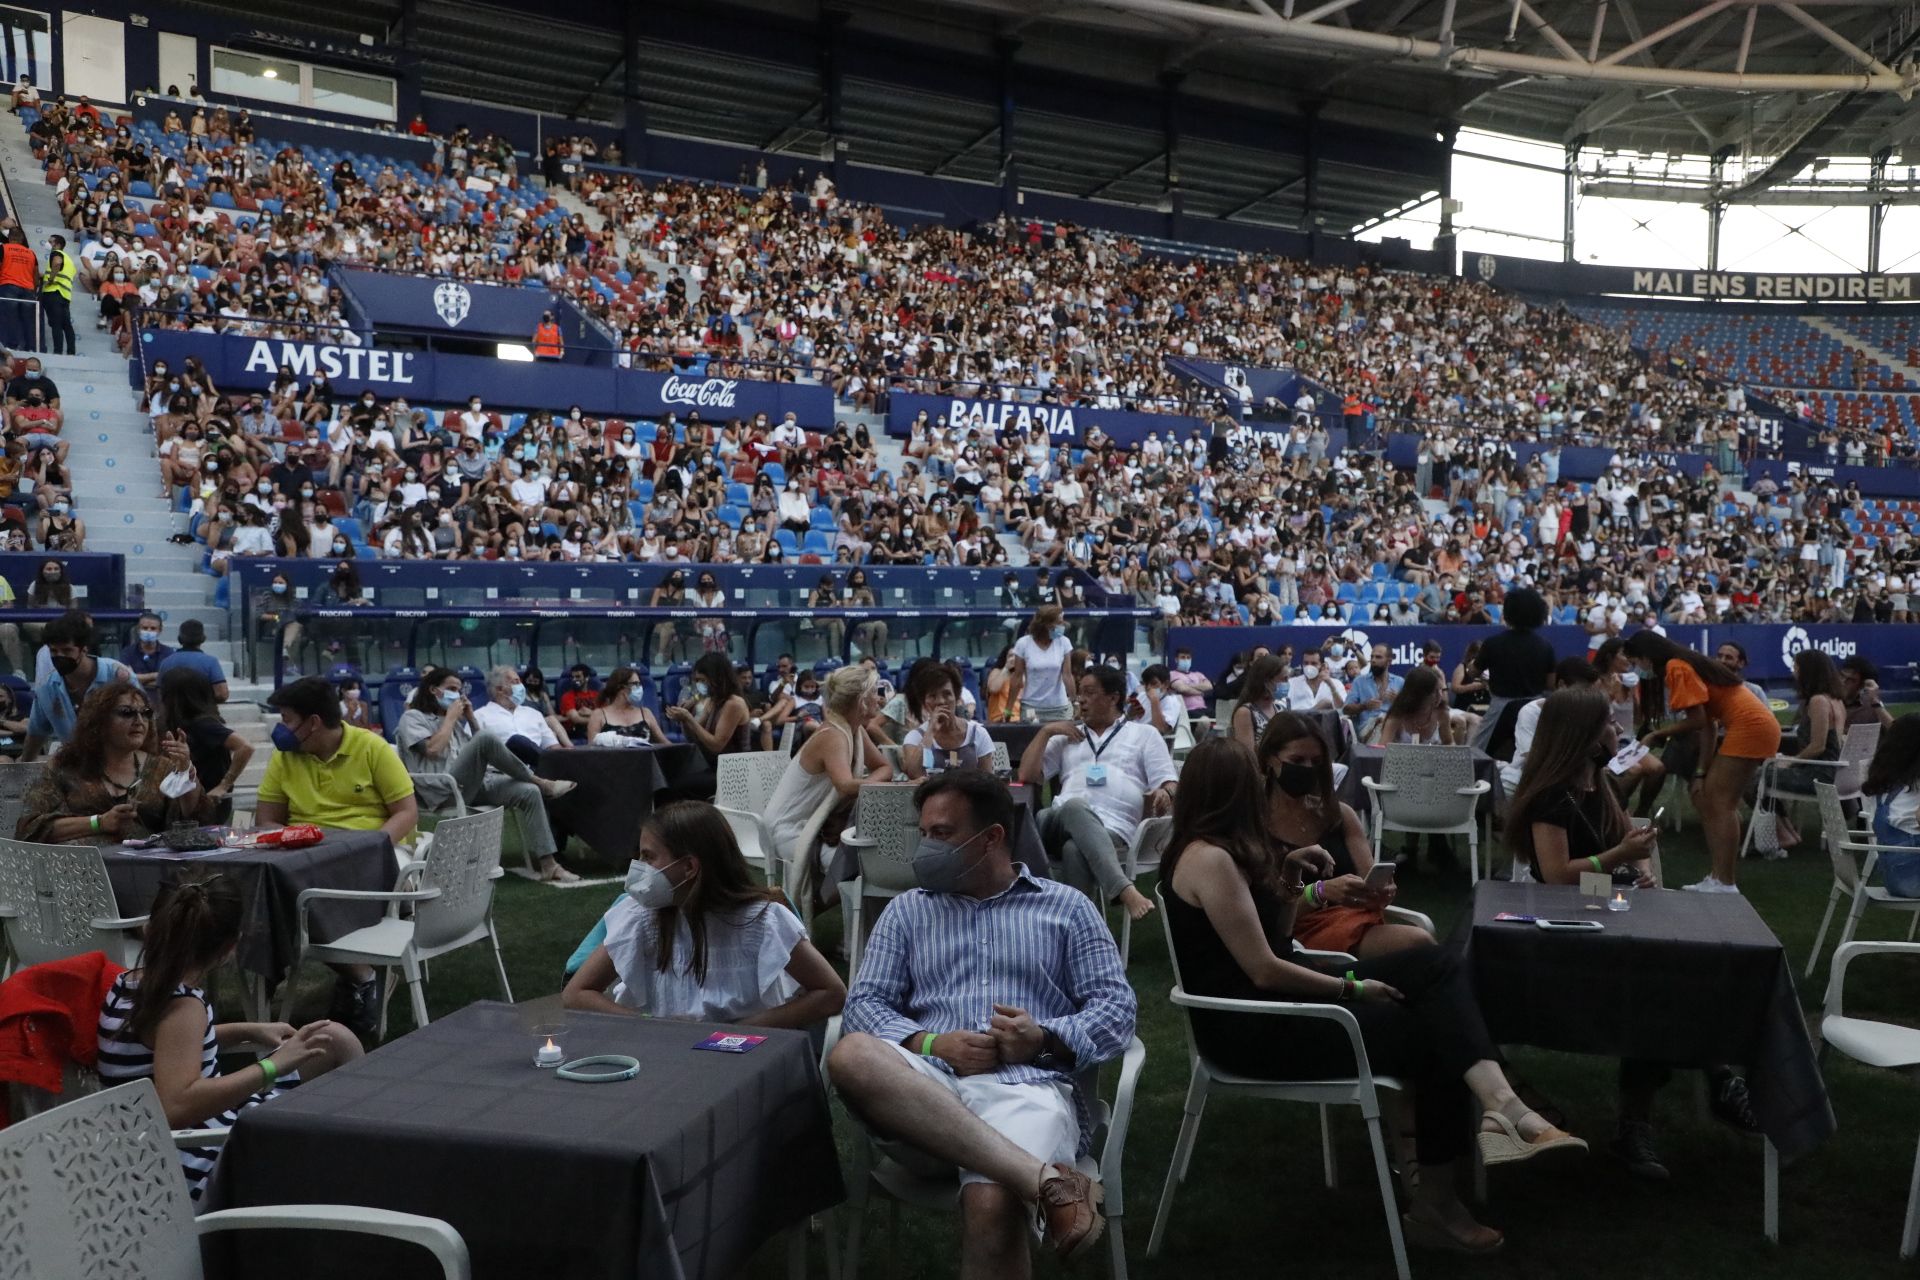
(331, 774)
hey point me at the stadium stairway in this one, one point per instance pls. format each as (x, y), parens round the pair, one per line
(1878, 354)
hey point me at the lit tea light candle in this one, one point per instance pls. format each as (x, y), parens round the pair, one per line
(548, 1055)
(1618, 902)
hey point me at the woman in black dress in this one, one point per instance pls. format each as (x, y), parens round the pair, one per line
(1231, 901)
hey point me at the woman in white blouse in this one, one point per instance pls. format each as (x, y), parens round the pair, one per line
(695, 938)
(943, 738)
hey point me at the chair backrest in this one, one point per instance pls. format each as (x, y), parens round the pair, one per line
(746, 780)
(56, 891)
(1856, 751)
(15, 782)
(460, 863)
(1149, 844)
(94, 1188)
(1426, 782)
(1173, 958)
(885, 814)
(1002, 758)
(1833, 831)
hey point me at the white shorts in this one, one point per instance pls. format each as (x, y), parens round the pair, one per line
(1037, 1118)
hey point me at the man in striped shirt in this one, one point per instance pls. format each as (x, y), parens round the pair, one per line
(979, 996)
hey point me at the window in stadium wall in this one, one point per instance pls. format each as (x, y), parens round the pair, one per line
(1900, 239)
(1794, 237)
(1510, 201)
(1616, 232)
(299, 84)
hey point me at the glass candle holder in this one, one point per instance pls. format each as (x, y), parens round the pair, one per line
(548, 1042)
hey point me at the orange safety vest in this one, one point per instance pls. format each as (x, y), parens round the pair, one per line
(18, 267)
(547, 344)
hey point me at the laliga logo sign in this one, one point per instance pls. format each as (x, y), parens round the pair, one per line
(1404, 655)
(706, 393)
(1797, 640)
(452, 302)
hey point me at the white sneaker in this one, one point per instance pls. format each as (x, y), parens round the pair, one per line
(1710, 885)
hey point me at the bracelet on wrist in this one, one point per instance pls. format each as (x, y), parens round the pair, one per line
(926, 1044)
(270, 1071)
(1598, 865)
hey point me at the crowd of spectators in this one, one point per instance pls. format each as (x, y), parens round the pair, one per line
(1246, 520)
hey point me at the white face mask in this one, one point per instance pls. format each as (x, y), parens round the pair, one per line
(648, 885)
(1310, 672)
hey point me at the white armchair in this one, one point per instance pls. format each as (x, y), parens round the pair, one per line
(94, 1187)
(1428, 791)
(56, 902)
(1877, 1044)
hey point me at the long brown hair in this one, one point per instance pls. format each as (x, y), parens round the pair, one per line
(1570, 724)
(1896, 761)
(697, 830)
(1290, 726)
(194, 920)
(1047, 615)
(1222, 801)
(85, 754)
(1262, 673)
(1815, 674)
(1417, 693)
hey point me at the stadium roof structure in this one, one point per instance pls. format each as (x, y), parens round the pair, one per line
(1774, 83)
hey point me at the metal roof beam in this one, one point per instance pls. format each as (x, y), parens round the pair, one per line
(1272, 193)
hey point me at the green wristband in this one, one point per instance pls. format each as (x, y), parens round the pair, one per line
(271, 1072)
(1313, 893)
(1594, 858)
(93, 824)
(926, 1045)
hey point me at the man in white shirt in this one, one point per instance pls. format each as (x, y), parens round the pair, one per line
(1315, 688)
(788, 435)
(1112, 774)
(474, 420)
(507, 717)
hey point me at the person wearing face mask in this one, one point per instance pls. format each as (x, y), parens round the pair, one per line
(143, 654)
(75, 674)
(695, 938)
(444, 750)
(1341, 913)
(1262, 692)
(981, 1077)
(713, 715)
(622, 710)
(326, 772)
(1113, 773)
(508, 717)
(1315, 688)
(1192, 686)
(942, 737)
(1038, 664)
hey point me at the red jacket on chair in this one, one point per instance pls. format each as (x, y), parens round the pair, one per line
(50, 1016)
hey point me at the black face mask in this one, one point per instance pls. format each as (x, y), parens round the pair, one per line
(66, 666)
(1296, 779)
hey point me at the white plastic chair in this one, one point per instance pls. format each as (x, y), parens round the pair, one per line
(1002, 758)
(873, 1169)
(453, 906)
(94, 1188)
(1877, 1044)
(56, 902)
(1849, 774)
(884, 835)
(1428, 791)
(1360, 1090)
(744, 784)
(1144, 852)
(15, 781)
(1850, 878)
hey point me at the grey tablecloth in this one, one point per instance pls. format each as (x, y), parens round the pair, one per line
(684, 1171)
(617, 786)
(1689, 979)
(270, 882)
(1364, 762)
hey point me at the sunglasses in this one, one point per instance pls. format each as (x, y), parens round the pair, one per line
(134, 713)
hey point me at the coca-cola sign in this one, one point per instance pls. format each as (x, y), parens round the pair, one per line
(703, 393)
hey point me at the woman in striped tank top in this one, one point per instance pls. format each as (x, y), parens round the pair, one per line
(158, 1024)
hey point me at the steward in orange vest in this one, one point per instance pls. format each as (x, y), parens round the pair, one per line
(547, 342)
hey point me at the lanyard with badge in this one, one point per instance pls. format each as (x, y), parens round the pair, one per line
(1097, 772)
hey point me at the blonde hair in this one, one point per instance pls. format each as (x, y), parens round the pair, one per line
(846, 687)
(1047, 615)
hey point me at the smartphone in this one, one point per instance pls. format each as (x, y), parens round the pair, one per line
(1572, 926)
(1380, 877)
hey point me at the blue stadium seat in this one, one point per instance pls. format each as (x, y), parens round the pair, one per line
(822, 518)
(476, 680)
(776, 473)
(818, 543)
(732, 517)
(788, 543)
(396, 691)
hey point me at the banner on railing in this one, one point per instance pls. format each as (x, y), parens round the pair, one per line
(1874, 482)
(1770, 647)
(425, 377)
(1064, 424)
(1756, 286)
